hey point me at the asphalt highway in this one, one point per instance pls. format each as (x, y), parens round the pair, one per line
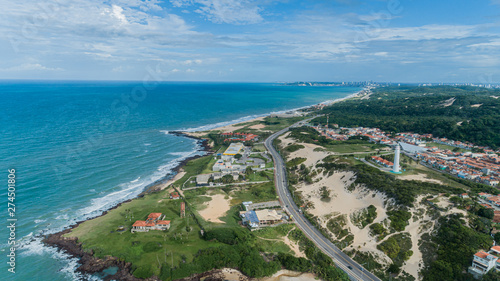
(344, 262)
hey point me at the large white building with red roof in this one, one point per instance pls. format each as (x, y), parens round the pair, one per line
(485, 261)
(153, 222)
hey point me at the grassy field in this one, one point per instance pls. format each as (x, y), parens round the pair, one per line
(256, 176)
(195, 167)
(349, 148)
(260, 192)
(444, 146)
(143, 250)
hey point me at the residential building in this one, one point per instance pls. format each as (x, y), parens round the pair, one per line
(174, 195)
(153, 222)
(262, 218)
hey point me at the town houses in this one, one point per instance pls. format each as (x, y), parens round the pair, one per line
(482, 167)
(153, 222)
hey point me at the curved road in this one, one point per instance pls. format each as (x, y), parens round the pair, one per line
(344, 262)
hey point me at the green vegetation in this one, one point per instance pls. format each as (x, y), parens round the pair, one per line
(322, 264)
(260, 192)
(403, 191)
(354, 144)
(195, 167)
(143, 249)
(399, 219)
(457, 244)
(364, 216)
(336, 226)
(325, 194)
(378, 229)
(293, 147)
(425, 110)
(277, 123)
(398, 248)
(295, 162)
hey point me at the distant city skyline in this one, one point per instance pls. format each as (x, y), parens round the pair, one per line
(252, 41)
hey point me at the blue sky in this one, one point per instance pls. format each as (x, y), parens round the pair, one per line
(245, 40)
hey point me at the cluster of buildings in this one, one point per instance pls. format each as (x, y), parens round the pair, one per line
(485, 261)
(228, 164)
(479, 167)
(155, 221)
(230, 137)
(258, 215)
(383, 162)
(492, 199)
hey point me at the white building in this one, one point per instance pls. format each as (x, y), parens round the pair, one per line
(484, 262)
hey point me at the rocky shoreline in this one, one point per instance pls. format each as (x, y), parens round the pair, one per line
(90, 264)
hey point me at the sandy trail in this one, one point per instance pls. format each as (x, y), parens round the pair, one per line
(216, 208)
(294, 246)
(419, 177)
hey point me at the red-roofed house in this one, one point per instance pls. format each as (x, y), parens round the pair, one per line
(175, 195)
(482, 263)
(154, 222)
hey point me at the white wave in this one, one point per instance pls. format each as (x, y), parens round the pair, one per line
(222, 124)
(147, 144)
(185, 154)
(35, 247)
(62, 217)
(251, 117)
(131, 189)
(39, 221)
(164, 131)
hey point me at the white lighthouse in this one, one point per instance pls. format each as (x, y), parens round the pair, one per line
(395, 168)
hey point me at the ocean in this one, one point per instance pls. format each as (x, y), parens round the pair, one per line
(79, 148)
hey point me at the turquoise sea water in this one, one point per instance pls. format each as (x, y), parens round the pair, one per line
(80, 148)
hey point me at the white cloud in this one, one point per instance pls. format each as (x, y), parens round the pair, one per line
(32, 67)
(225, 11)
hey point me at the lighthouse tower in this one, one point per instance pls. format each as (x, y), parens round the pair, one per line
(395, 168)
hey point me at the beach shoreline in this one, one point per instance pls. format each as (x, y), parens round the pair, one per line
(88, 263)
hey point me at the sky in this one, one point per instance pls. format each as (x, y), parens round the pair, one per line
(410, 41)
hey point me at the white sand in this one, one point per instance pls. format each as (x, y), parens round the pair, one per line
(344, 202)
(282, 275)
(233, 127)
(258, 126)
(308, 152)
(294, 246)
(216, 208)
(419, 177)
(177, 177)
(414, 264)
(448, 102)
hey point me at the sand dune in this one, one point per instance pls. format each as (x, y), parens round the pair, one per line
(216, 208)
